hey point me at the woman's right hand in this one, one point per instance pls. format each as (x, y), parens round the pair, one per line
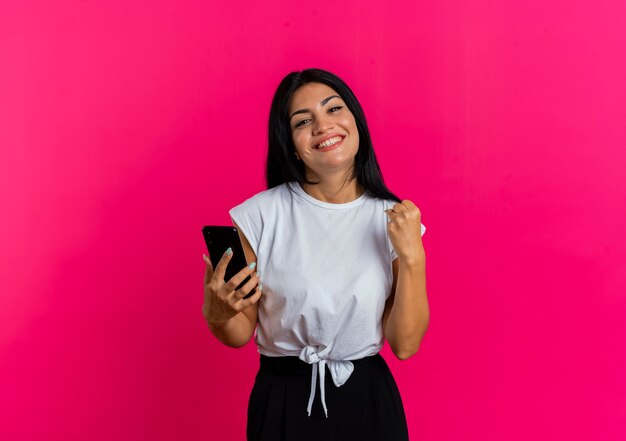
(221, 301)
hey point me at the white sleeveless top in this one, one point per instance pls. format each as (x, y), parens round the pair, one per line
(326, 273)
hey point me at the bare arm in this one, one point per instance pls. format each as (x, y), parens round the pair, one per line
(406, 314)
(238, 330)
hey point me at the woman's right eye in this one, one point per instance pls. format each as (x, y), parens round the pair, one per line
(300, 122)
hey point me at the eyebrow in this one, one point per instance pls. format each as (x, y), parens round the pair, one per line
(324, 101)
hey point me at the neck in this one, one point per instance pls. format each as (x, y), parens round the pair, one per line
(334, 189)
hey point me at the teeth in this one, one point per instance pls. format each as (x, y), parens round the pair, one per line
(329, 142)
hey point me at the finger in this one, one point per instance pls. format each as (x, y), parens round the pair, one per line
(397, 208)
(392, 215)
(412, 208)
(253, 298)
(220, 268)
(208, 272)
(400, 207)
(245, 289)
(240, 277)
(408, 204)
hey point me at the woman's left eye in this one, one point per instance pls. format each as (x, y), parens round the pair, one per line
(336, 107)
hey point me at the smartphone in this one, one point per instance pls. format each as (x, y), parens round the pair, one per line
(218, 239)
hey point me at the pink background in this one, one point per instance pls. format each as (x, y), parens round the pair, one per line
(126, 126)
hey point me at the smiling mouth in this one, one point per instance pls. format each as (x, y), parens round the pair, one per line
(330, 143)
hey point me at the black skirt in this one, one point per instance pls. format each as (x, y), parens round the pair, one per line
(367, 407)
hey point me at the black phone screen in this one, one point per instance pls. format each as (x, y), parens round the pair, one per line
(218, 239)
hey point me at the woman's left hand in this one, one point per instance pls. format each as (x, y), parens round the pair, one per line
(404, 228)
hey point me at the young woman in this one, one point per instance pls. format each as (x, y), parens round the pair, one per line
(338, 265)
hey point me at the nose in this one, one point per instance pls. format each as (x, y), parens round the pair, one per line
(322, 125)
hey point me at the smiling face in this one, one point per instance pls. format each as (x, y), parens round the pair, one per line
(319, 117)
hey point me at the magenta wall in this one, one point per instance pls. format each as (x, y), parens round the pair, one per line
(126, 126)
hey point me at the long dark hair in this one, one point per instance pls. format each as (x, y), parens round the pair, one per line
(282, 165)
